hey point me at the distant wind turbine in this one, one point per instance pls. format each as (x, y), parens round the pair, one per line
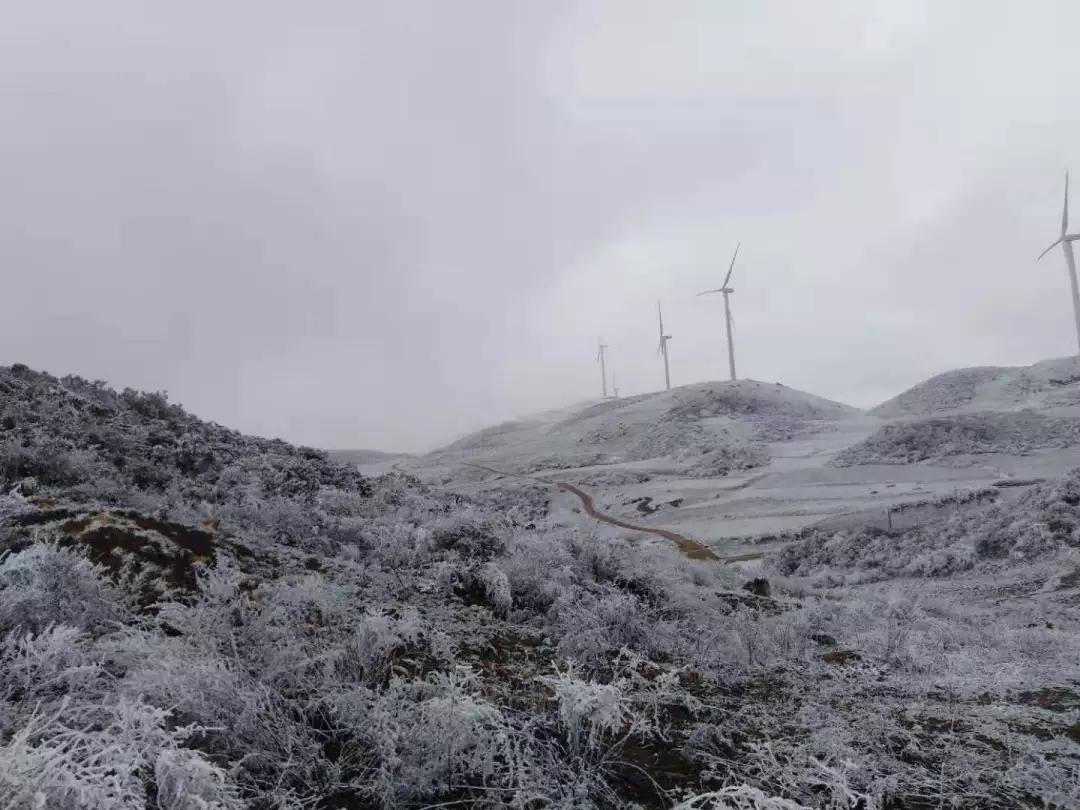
(614, 385)
(726, 290)
(663, 350)
(603, 365)
(1065, 240)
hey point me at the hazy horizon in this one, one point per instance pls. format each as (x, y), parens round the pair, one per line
(384, 227)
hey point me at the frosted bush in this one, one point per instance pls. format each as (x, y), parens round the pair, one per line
(378, 638)
(592, 627)
(90, 756)
(339, 503)
(470, 535)
(44, 585)
(942, 562)
(186, 781)
(589, 712)
(420, 738)
(737, 797)
(539, 571)
(496, 588)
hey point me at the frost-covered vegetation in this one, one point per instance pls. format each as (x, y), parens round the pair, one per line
(942, 437)
(753, 399)
(191, 619)
(1043, 522)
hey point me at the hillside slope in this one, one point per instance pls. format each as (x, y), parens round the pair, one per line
(706, 428)
(111, 446)
(991, 388)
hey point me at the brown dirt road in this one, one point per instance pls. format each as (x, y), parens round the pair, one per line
(690, 548)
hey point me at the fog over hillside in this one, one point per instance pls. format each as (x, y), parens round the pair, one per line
(568, 405)
(386, 226)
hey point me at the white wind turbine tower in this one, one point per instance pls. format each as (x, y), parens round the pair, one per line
(726, 290)
(1065, 240)
(663, 350)
(603, 365)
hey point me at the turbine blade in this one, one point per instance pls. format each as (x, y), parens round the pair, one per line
(709, 292)
(661, 316)
(1065, 208)
(1058, 242)
(727, 278)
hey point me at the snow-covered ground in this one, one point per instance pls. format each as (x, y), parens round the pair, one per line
(732, 464)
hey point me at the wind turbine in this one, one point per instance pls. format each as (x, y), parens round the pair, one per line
(726, 290)
(1065, 240)
(662, 350)
(603, 365)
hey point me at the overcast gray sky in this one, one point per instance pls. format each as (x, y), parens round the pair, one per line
(359, 224)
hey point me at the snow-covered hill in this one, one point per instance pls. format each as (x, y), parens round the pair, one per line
(990, 388)
(703, 429)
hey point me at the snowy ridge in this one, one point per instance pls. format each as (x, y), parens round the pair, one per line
(990, 388)
(682, 425)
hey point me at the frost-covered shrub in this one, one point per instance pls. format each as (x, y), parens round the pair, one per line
(539, 573)
(418, 739)
(470, 535)
(737, 797)
(186, 781)
(44, 585)
(376, 641)
(95, 756)
(593, 627)
(496, 588)
(39, 669)
(942, 562)
(343, 504)
(50, 463)
(589, 712)
(400, 546)
(622, 566)
(721, 461)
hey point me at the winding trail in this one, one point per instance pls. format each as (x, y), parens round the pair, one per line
(690, 548)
